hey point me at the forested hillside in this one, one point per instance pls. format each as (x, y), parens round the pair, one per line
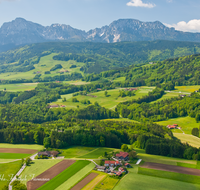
(179, 71)
(96, 57)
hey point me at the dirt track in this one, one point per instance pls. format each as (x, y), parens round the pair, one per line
(17, 150)
(171, 168)
(85, 181)
(48, 174)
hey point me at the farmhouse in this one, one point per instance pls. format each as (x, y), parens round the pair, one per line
(48, 153)
(123, 156)
(174, 126)
(101, 168)
(112, 163)
(127, 165)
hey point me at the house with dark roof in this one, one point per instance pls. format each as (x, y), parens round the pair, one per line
(101, 168)
(123, 156)
(48, 153)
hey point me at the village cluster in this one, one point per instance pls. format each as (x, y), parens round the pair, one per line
(114, 166)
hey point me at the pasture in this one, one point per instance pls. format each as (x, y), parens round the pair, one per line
(13, 155)
(18, 87)
(65, 175)
(76, 177)
(186, 124)
(45, 64)
(109, 102)
(8, 170)
(76, 151)
(22, 146)
(190, 139)
(162, 159)
(133, 180)
(188, 89)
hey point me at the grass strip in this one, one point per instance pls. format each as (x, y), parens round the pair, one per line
(170, 175)
(13, 155)
(187, 165)
(65, 175)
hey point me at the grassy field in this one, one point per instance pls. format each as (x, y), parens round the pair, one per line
(170, 175)
(18, 87)
(23, 146)
(190, 139)
(13, 156)
(65, 175)
(186, 123)
(187, 89)
(162, 159)
(76, 151)
(45, 64)
(107, 184)
(97, 153)
(109, 102)
(133, 180)
(76, 177)
(6, 160)
(92, 184)
(7, 170)
(36, 168)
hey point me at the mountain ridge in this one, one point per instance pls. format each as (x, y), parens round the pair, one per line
(21, 31)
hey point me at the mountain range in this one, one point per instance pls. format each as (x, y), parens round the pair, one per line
(21, 31)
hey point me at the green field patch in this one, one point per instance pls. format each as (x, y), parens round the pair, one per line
(194, 166)
(7, 171)
(188, 89)
(76, 177)
(23, 146)
(7, 160)
(109, 102)
(107, 184)
(18, 87)
(170, 175)
(186, 124)
(162, 159)
(65, 175)
(76, 151)
(190, 139)
(96, 153)
(13, 155)
(37, 168)
(133, 180)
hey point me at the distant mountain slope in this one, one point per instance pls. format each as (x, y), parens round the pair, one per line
(95, 57)
(21, 31)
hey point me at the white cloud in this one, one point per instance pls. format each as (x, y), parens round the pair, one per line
(191, 26)
(139, 3)
(169, 1)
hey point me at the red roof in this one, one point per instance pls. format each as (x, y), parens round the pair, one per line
(119, 173)
(122, 154)
(109, 162)
(126, 164)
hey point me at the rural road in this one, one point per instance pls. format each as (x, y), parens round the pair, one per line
(18, 174)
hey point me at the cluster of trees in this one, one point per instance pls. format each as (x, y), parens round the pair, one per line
(57, 66)
(123, 93)
(195, 132)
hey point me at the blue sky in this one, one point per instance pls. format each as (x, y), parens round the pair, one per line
(88, 14)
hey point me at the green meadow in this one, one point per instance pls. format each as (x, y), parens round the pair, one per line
(76, 151)
(190, 139)
(65, 175)
(23, 146)
(18, 87)
(186, 124)
(133, 180)
(109, 102)
(45, 64)
(107, 184)
(13, 156)
(7, 171)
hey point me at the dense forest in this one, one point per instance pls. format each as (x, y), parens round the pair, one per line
(97, 57)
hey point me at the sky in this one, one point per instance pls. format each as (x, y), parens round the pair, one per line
(184, 15)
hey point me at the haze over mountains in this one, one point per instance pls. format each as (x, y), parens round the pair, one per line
(21, 31)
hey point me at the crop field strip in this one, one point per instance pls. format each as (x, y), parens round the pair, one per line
(76, 177)
(107, 184)
(13, 155)
(17, 150)
(85, 181)
(60, 178)
(35, 147)
(49, 174)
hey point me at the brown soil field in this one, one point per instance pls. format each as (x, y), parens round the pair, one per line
(171, 168)
(84, 182)
(49, 174)
(17, 150)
